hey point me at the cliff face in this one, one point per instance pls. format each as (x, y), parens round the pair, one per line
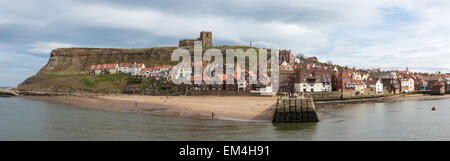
(67, 69)
(80, 59)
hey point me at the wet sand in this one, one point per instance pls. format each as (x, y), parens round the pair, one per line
(391, 99)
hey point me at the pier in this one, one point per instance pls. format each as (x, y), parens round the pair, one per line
(298, 109)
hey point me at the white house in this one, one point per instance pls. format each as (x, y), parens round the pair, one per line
(297, 60)
(360, 87)
(136, 68)
(100, 69)
(407, 85)
(379, 87)
(356, 76)
(183, 73)
(124, 68)
(112, 68)
(376, 86)
(146, 72)
(312, 87)
(242, 84)
(365, 76)
(164, 68)
(154, 72)
(286, 66)
(95, 69)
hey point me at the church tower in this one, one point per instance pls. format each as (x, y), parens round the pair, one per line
(206, 38)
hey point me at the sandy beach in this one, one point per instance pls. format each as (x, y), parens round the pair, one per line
(225, 107)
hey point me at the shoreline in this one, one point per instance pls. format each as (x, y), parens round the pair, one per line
(248, 108)
(390, 99)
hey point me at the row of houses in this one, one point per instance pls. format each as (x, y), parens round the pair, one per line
(310, 76)
(301, 74)
(297, 76)
(304, 78)
(240, 81)
(126, 68)
(102, 69)
(135, 69)
(404, 81)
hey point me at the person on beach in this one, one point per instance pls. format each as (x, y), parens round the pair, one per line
(213, 116)
(137, 107)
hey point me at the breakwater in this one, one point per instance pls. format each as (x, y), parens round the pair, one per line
(298, 109)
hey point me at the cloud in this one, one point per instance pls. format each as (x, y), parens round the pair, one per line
(365, 34)
(47, 47)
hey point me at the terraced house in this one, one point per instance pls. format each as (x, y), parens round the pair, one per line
(407, 84)
(310, 79)
(125, 68)
(343, 81)
(374, 87)
(101, 69)
(391, 84)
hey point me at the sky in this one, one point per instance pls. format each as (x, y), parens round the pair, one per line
(355, 33)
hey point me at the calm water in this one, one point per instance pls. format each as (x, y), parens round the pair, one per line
(24, 119)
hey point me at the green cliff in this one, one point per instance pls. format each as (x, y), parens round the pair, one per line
(67, 69)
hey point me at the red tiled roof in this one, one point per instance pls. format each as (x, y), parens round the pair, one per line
(139, 65)
(371, 82)
(146, 69)
(124, 65)
(103, 66)
(112, 66)
(163, 66)
(312, 58)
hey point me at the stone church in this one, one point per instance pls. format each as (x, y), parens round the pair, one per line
(205, 37)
